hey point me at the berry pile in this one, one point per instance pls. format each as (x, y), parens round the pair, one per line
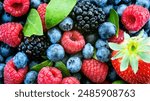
(97, 41)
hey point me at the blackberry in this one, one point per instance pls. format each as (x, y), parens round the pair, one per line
(87, 16)
(34, 46)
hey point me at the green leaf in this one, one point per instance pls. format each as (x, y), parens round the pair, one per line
(94, 55)
(58, 10)
(115, 46)
(134, 63)
(33, 24)
(41, 65)
(114, 18)
(124, 63)
(144, 56)
(62, 67)
(118, 55)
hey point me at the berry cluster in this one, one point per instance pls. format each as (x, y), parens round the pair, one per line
(85, 47)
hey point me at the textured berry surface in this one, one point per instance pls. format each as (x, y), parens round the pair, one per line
(70, 80)
(5, 50)
(31, 77)
(101, 43)
(12, 75)
(49, 75)
(10, 33)
(88, 51)
(16, 8)
(72, 41)
(135, 17)
(42, 11)
(95, 70)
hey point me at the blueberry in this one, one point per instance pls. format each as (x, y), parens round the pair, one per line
(31, 77)
(88, 51)
(102, 3)
(144, 3)
(121, 8)
(112, 75)
(8, 58)
(79, 54)
(91, 38)
(35, 3)
(20, 60)
(5, 50)
(78, 76)
(74, 64)
(101, 43)
(66, 24)
(55, 52)
(1, 70)
(115, 2)
(107, 30)
(6, 17)
(103, 54)
(107, 9)
(32, 63)
(1, 59)
(1, 7)
(147, 25)
(127, 1)
(54, 35)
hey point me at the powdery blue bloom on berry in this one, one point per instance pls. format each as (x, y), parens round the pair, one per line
(5, 50)
(55, 52)
(35, 3)
(54, 35)
(107, 9)
(88, 51)
(31, 77)
(121, 8)
(20, 60)
(74, 64)
(144, 3)
(101, 43)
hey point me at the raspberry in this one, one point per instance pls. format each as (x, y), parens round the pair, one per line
(117, 39)
(95, 70)
(42, 11)
(12, 75)
(16, 8)
(10, 33)
(70, 80)
(72, 41)
(49, 75)
(135, 17)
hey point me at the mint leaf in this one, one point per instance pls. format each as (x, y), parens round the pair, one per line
(62, 67)
(58, 10)
(114, 18)
(41, 65)
(33, 24)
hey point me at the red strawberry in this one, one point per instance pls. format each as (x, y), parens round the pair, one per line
(72, 41)
(70, 80)
(42, 11)
(12, 75)
(131, 59)
(10, 33)
(49, 75)
(16, 8)
(135, 17)
(117, 39)
(95, 70)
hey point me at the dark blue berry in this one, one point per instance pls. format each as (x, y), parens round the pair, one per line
(46, 1)
(32, 63)
(107, 9)
(1, 70)
(66, 24)
(31, 77)
(91, 38)
(8, 58)
(55, 52)
(121, 8)
(74, 64)
(112, 75)
(35, 3)
(1, 59)
(78, 76)
(144, 3)
(88, 51)
(5, 50)
(20, 60)
(102, 3)
(107, 30)
(115, 2)
(103, 54)
(101, 43)
(1, 7)
(6, 18)
(54, 35)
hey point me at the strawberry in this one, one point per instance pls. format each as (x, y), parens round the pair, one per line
(131, 59)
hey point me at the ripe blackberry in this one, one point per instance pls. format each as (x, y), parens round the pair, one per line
(87, 16)
(34, 46)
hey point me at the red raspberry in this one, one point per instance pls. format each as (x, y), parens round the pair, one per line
(49, 75)
(16, 8)
(10, 33)
(12, 75)
(70, 80)
(117, 39)
(42, 11)
(72, 41)
(135, 17)
(95, 70)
